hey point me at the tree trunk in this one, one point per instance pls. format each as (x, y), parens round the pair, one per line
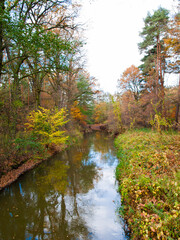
(37, 87)
(38, 98)
(15, 93)
(1, 35)
(162, 104)
(28, 93)
(157, 69)
(178, 103)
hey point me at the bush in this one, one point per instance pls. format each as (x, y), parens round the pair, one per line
(28, 143)
(47, 126)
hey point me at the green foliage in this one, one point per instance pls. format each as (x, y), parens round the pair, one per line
(28, 143)
(17, 104)
(158, 122)
(148, 173)
(14, 152)
(85, 96)
(46, 125)
(155, 27)
(132, 123)
(117, 112)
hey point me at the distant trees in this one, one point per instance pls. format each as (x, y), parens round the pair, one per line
(131, 79)
(83, 98)
(142, 94)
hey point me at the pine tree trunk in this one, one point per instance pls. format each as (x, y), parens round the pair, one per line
(162, 105)
(178, 103)
(157, 70)
(1, 35)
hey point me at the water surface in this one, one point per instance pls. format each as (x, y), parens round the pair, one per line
(72, 196)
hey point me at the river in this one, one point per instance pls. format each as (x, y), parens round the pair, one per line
(72, 196)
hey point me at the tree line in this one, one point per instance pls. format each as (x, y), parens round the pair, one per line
(143, 99)
(41, 62)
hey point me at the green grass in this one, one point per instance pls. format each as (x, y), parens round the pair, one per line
(149, 178)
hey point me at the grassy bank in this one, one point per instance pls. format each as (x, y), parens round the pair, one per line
(149, 178)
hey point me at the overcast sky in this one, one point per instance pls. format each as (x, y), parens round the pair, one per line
(112, 34)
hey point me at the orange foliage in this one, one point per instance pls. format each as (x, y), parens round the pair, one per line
(77, 114)
(172, 41)
(131, 80)
(100, 114)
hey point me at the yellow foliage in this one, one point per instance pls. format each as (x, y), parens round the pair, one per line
(100, 113)
(77, 114)
(46, 126)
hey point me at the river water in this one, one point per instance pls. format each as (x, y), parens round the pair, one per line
(72, 196)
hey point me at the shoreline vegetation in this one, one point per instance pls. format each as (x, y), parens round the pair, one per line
(13, 172)
(44, 133)
(15, 168)
(149, 182)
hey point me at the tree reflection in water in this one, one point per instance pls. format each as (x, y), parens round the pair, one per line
(48, 202)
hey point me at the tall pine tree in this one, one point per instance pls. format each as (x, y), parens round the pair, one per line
(153, 33)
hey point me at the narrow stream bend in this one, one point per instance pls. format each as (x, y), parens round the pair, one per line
(72, 196)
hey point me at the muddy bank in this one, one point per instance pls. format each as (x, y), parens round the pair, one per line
(104, 128)
(99, 127)
(13, 175)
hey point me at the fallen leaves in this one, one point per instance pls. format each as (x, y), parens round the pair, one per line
(149, 183)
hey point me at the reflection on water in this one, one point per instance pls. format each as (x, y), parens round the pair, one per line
(70, 197)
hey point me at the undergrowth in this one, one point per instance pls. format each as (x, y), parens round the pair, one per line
(149, 178)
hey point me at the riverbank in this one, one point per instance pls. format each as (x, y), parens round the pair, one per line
(17, 164)
(149, 178)
(12, 175)
(14, 168)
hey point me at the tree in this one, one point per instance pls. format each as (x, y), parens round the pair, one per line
(83, 98)
(131, 79)
(46, 126)
(2, 7)
(46, 60)
(100, 112)
(153, 33)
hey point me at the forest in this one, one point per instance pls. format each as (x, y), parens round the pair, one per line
(48, 99)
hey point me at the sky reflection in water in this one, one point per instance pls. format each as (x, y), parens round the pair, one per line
(70, 197)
